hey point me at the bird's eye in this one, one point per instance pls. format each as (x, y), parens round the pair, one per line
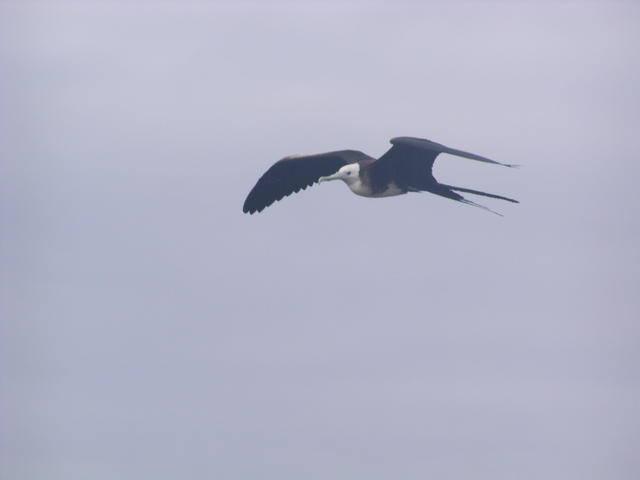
(348, 173)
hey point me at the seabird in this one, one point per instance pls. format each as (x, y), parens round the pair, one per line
(406, 167)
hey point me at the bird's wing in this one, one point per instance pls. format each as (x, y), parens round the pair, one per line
(295, 173)
(433, 149)
(410, 160)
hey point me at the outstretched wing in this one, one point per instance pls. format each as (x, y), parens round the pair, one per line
(410, 161)
(432, 149)
(295, 173)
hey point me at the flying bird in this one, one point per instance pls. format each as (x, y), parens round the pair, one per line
(406, 167)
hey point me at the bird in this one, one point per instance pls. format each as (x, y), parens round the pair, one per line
(406, 167)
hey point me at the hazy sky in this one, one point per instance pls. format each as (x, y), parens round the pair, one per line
(151, 330)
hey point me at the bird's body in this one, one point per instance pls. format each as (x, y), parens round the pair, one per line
(360, 181)
(405, 167)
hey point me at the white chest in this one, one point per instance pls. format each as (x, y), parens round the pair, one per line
(359, 188)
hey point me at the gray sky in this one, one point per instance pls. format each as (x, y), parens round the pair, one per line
(151, 330)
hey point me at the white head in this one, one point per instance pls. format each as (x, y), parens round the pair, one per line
(349, 174)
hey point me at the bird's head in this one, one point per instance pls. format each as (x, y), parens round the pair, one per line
(349, 173)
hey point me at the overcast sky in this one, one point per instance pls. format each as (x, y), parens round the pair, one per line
(150, 329)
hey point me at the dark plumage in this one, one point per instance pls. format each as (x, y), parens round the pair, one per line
(405, 167)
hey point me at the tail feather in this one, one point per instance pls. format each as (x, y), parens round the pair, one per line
(474, 204)
(478, 192)
(448, 192)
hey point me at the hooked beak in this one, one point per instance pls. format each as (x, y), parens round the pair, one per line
(330, 177)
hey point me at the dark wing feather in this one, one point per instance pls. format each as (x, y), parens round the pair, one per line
(410, 161)
(435, 148)
(295, 173)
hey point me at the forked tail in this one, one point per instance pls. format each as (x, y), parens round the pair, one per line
(478, 192)
(448, 192)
